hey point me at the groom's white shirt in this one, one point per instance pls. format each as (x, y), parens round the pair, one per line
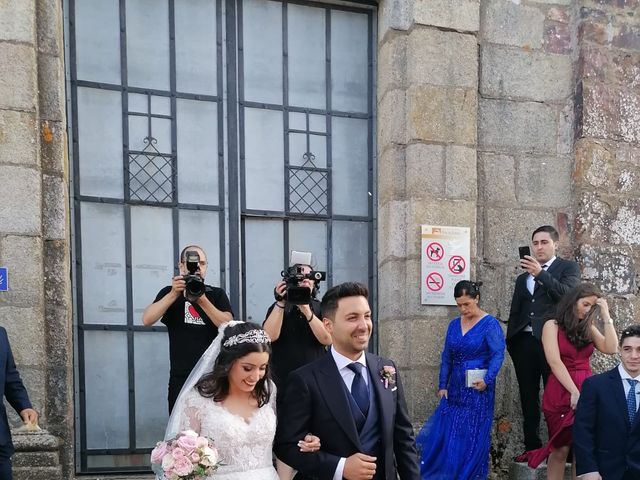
(347, 375)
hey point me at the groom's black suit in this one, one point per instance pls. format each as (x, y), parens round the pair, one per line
(317, 402)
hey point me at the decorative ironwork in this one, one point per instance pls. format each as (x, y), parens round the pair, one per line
(150, 174)
(308, 188)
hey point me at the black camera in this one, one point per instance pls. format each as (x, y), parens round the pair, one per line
(194, 282)
(296, 294)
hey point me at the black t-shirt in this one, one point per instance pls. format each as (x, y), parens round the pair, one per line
(190, 329)
(297, 345)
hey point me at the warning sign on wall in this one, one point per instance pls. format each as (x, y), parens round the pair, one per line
(446, 258)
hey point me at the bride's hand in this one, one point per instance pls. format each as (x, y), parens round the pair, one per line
(310, 443)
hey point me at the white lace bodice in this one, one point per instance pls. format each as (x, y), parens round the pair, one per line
(244, 447)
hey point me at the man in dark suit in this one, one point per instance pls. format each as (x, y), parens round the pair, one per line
(545, 280)
(351, 399)
(15, 393)
(606, 429)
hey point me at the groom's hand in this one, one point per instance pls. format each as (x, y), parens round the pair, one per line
(359, 467)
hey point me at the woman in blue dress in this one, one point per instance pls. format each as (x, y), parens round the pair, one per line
(454, 442)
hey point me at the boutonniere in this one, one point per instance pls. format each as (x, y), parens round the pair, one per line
(388, 376)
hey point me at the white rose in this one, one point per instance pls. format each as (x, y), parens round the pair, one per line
(167, 461)
(210, 456)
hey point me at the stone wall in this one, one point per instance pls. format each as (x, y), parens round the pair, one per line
(525, 159)
(527, 75)
(34, 212)
(607, 171)
(427, 141)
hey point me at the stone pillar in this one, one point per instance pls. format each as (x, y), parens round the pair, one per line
(607, 169)
(427, 106)
(525, 148)
(34, 219)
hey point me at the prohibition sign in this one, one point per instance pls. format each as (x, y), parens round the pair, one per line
(457, 264)
(435, 282)
(435, 251)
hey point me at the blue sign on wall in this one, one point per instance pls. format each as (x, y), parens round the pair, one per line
(4, 279)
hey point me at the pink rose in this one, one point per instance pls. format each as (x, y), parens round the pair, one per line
(182, 466)
(178, 452)
(188, 443)
(195, 458)
(160, 451)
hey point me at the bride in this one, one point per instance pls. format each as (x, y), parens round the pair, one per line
(233, 403)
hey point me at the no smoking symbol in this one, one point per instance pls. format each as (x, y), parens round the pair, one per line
(435, 282)
(457, 264)
(435, 251)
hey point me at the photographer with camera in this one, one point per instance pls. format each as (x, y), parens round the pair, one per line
(294, 323)
(192, 312)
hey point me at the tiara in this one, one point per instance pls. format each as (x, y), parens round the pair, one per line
(252, 336)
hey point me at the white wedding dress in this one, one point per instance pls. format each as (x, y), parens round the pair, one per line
(244, 447)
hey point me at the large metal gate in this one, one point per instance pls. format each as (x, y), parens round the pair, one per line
(245, 127)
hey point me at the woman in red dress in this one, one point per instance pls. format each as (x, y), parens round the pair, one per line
(569, 340)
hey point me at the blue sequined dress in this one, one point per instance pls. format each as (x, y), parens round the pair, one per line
(454, 442)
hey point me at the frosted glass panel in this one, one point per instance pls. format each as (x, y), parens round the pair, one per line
(148, 43)
(297, 121)
(200, 227)
(100, 142)
(160, 105)
(151, 255)
(97, 24)
(349, 66)
(298, 147)
(106, 389)
(350, 166)
(317, 123)
(350, 252)
(197, 152)
(264, 261)
(151, 379)
(307, 236)
(104, 279)
(196, 46)
(307, 57)
(262, 50)
(138, 103)
(264, 159)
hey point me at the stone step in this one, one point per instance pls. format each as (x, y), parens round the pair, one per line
(35, 459)
(37, 473)
(522, 471)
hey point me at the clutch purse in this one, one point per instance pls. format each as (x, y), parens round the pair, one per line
(474, 374)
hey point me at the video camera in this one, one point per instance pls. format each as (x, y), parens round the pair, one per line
(296, 294)
(194, 283)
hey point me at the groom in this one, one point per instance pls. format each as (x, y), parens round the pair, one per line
(351, 399)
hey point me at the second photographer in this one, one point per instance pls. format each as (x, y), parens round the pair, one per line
(297, 332)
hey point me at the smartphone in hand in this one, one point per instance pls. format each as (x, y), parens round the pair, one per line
(522, 251)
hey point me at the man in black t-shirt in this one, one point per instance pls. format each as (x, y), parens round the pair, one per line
(298, 335)
(192, 323)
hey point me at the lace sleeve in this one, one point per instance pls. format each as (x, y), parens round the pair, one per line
(190, 418)
(496, 345)
(272, 398)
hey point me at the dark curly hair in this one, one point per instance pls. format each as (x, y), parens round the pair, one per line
(216, 383)
(578, 332)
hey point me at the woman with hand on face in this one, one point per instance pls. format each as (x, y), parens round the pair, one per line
(569, 340)
(455, 441)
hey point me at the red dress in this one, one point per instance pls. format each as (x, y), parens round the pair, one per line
(556, 400)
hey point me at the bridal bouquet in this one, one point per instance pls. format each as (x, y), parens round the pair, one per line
(188, 456)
